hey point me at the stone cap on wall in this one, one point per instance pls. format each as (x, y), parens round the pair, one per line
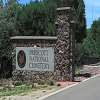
(33, 38)
(63, 8)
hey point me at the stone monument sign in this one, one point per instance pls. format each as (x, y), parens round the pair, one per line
(35, 58)
(47, 57)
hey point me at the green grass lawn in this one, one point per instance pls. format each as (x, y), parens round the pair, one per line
(22, 90)
(15, 91)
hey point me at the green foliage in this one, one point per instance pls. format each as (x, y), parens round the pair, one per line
(81, 20)
(7, 27)
(95, 28)
(36, 19)
(60, 3)
(12, 5)
(91, 44)
(17, 90)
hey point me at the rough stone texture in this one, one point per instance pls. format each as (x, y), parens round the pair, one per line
(65, 45)
(31, 76)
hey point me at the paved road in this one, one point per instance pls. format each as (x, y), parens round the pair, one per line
(89, 90)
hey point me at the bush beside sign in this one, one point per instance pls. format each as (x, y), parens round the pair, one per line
(36, 59)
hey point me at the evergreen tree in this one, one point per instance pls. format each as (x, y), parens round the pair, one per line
(81, 20)
(39, 22)
(12, 6)
(91, 43)
(89, 46)
(1, 7)
(7, 27)
(95, 30)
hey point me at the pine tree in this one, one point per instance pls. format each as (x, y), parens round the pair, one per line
(7, 27)
(1, 7)
(11, 8)
(40, 21)
(81, 20)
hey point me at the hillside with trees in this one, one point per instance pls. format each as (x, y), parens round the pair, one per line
(91, 44)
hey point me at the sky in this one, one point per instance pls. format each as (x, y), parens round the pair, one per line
(92, 10)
